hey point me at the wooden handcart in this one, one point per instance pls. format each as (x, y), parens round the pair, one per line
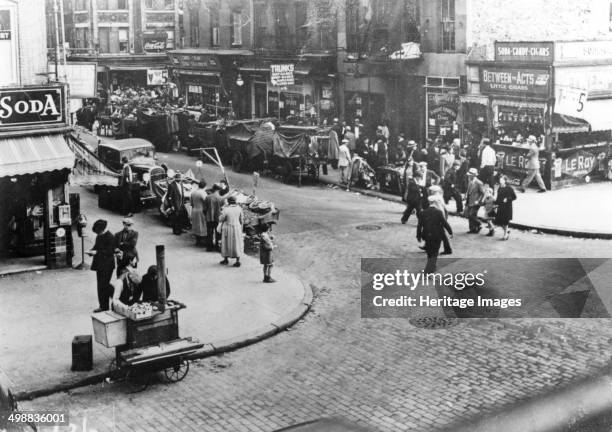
(150, 346)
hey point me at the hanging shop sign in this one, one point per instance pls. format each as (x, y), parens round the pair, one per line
(514, 81)
(442, 111)
(571, 101)
(157, 76)
(282, 74)
(596, 79)
(201, 61)
(524, 52)
(31, 106)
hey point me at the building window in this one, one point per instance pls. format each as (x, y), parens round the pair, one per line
(104, 40)
(214, 27)
(168, 4)
(80, 5)
(353, 34)
(236, 26)
(448, 26)
(261, 25)
(102, 4)
(282, 33)
(122, 4)
(194, 28)
(301, 21)
(123, 41)
(81, 38)
(148, 4)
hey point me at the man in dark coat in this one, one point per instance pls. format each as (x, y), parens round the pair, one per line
(431, 229)
(473, 201)
(125, 185)
(450, 185)
(212, 210)
(103, 263)
(125, 245)
(148, 286)
(176, 199)
(412, 196)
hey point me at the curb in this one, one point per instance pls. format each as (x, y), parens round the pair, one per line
(210, 349)
(518, 226)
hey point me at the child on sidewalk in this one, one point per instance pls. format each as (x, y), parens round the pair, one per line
(489, 206)
(265, 252)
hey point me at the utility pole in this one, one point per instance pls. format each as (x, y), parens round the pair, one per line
(56, 25)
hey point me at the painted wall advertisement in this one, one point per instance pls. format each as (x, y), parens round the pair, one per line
(32, 106)
(581, 163)
(524, 52)
(514, 81)
(442, 109)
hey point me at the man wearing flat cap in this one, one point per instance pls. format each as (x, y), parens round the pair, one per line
(103, 263)
(344, 161)
(125, 245)
(474, 198)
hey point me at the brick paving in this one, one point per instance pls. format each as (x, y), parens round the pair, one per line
(386, 374)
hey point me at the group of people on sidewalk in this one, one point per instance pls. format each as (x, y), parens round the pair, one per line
(119, 251)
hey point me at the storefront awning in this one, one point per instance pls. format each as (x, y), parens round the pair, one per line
(34, 154)
(136, 67)
(475, 99)
(198, 72)
(519, 103)
(567, 124)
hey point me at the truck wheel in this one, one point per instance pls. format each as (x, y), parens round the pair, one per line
(237, 161)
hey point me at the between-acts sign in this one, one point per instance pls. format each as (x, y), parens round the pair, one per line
(515, 81)
(282, 74)
(32, 106)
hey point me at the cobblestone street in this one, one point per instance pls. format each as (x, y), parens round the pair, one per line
(387, 374)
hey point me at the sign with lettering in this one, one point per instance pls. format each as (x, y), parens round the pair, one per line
(200, 61)
(583, 51)
(515, 81)
(524, 52)
(596, 79)
(512, 161)
(282, 74)
(31, 106)
(571, 101)
(442, 111)
(155, 42)
(157, 76)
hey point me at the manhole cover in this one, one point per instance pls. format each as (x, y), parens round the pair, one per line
(368, 227)
(434, 323)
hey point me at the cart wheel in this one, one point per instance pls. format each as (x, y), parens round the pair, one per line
(237, 161)
(114, 372)
(137, 381)
(178, 372)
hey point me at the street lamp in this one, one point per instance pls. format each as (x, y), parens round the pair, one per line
(239, 81)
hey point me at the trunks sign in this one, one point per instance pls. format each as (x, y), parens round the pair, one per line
(31, 106)
(514, 81)
(282, 74)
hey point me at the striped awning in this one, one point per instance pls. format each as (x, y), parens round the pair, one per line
(34, 154)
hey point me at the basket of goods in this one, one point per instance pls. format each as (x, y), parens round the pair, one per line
(140, 311)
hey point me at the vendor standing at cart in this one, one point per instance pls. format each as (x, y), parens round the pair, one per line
(127, 289)
(176, 200)
(125, 245)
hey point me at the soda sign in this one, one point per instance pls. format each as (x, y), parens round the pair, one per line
(31, 106)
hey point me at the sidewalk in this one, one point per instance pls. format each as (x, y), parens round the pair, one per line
(579, 211)
(227, 307)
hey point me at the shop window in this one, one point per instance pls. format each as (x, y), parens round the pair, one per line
(123, 41)
(236, 26)
(214, 27)
(447, 26)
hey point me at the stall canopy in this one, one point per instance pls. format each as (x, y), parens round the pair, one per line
(597, 113)
(34, 154)
(567, 124)
(270, 143)
(89, 170)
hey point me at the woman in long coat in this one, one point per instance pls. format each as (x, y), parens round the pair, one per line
(505, 196)
(231, 220)
(198, 217)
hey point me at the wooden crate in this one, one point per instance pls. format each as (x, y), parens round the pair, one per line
(110, 328)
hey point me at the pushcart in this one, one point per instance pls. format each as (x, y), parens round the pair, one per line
(151, 346)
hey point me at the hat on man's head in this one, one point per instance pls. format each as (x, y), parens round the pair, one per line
(231, 199)
(178, 175)
(128, 221)
(99, 226)
(456, 163)
(432, 198)
(531, 138)
(423, 164)
(472, 171)
(345, 141)
(411, 143)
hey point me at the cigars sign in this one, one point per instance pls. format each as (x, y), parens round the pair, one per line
(515, 81)
(31, 106)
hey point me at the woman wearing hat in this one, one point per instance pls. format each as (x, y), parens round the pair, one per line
(231, 221)
(198, 216)
(103, 262)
